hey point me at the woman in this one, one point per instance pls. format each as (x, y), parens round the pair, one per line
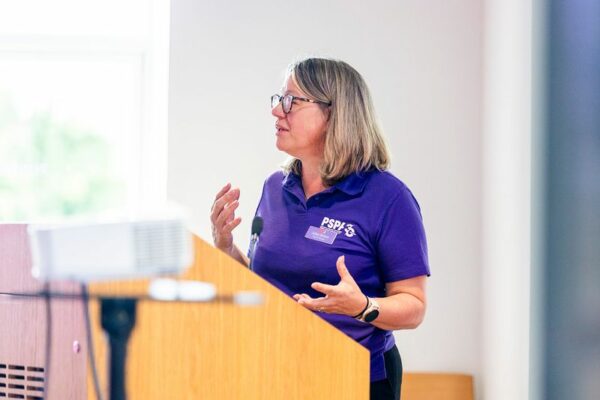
(341, 235)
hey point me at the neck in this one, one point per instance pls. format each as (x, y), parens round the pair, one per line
(311, 177)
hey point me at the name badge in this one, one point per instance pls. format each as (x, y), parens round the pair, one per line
(322, 234)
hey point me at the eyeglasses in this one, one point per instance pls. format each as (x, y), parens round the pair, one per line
(288, 100)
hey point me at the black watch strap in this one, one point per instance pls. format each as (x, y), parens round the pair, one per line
(364, 309)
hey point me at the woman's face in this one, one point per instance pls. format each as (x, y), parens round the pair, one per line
(301, 132)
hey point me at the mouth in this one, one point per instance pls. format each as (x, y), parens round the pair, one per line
(280, 129)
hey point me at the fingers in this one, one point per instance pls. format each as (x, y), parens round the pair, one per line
(299, 296)
(323, 288)
(303, 298)
(223, 191)
(230, 226)
(227, 215)
(337, 297)
(315, 304)
(224, 200)
(224, 197)
(222, 216)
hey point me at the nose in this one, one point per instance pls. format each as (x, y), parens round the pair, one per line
(277, 111)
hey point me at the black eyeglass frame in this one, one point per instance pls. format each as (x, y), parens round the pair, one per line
(280, 100)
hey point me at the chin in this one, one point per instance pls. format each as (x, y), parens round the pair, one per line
(281, 145)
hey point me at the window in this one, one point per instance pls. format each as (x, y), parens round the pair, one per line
(83, 108)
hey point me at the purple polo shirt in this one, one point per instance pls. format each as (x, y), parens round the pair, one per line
(371, 217)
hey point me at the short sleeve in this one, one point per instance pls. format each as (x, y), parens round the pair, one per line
(401, 242)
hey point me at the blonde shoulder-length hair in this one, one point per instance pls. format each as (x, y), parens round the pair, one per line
(353, 140)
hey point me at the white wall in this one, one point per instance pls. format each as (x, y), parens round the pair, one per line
(423, 65)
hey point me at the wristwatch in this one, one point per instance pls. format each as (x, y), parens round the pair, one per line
(370, 312)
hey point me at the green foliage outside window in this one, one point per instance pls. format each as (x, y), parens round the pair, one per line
(51, 168)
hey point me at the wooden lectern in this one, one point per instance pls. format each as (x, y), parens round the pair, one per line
(218, 350)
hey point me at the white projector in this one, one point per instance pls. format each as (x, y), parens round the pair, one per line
(110, 250)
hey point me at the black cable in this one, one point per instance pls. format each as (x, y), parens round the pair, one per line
(90, 340)
(48, 351)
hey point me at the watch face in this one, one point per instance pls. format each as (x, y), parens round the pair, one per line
(371, 315)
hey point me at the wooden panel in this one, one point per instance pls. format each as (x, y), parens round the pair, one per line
(222, 351)
(437, 386)
(23, 325)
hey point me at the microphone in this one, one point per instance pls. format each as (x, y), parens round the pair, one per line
(257, 227)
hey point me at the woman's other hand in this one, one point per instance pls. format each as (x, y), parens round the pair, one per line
(344, 298)
(222, 218)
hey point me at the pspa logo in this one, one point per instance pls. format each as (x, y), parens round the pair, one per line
(339, 226)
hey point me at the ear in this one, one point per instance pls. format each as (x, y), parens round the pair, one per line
(327, 111)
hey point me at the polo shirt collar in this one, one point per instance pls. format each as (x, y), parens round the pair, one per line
(290, 180)
(352, 185)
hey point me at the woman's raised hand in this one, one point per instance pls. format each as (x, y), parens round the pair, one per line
(222, 217)
(344, 298)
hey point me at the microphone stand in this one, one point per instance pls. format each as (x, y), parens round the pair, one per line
(118, 320)
(257, 227)
(253, 241)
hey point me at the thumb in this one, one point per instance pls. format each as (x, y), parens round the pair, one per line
(342, 270)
